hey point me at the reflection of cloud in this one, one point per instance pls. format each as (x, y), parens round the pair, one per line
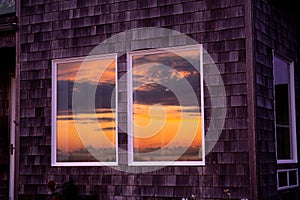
(105, 129)
(150, 73)
(154, 94)
(158, 94)
(65, 91)
(82, 78)
(190, 109)
(103, 119)
(67, 71)
(109, 129)
(89, 71)
(184, 60)
(156, 75)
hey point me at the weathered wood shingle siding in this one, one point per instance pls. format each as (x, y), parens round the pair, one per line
(274, 30)
(63, 29)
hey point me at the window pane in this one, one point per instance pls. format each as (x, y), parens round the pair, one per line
(293, 177)
(7, 6)
(282, 104)
(283, 143)
(166, 106)
(89, 134)
(281, 71)
(282, 178)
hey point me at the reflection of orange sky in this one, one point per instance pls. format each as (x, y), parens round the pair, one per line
(68, 138)
(87, 130)
(89, 71)
(169, 119)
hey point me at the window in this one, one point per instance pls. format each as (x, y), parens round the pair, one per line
(84, 107)
(7, 6)
(287, 178)
(285, 111)
(165, 106)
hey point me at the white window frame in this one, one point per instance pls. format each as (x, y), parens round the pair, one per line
(292, 112)
(55, 63)
(131, 161)
(288, 179)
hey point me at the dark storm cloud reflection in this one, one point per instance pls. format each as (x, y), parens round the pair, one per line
(102, 97)
(156, 93)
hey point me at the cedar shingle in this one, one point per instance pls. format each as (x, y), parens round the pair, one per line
(147, 191)
(164, 191)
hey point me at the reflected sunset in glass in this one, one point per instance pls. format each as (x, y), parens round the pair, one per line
(98, 141)
(164, 127)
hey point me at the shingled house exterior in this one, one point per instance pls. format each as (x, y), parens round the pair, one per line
(66, 119)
